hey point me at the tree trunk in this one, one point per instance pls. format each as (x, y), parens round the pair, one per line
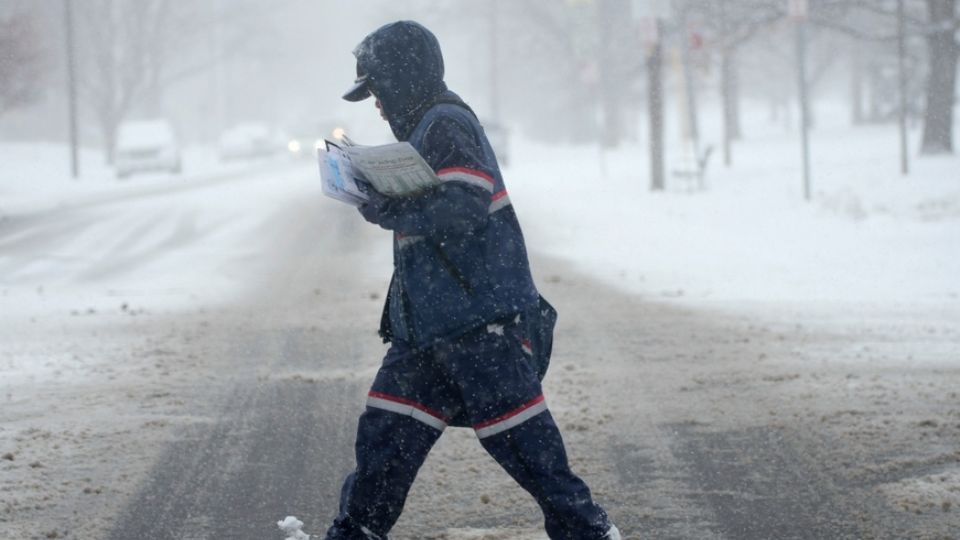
(610, 90)
(726, 85)
(736, 132)
(856, 83)
(943, 52)
(107, 116)
(730, 86)
(108, 132)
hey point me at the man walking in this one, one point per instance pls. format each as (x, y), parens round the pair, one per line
(460, 314)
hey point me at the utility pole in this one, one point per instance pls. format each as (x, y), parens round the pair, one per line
(650, 14)
(692, 122)
(725, 68)
(219, 69)
(71, 87)
(902, 76)
(798, 11)
(655, 106)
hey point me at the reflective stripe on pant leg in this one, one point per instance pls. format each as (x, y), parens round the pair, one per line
(511, 419)
(406, 407)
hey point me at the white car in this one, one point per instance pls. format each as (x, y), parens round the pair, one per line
(146, 145)
(249, 140)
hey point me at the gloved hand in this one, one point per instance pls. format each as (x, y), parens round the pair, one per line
(374, 207)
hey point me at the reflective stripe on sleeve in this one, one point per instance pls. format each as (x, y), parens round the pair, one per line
(469, 176)
(499, 201)
(512, 419)
(406, 407)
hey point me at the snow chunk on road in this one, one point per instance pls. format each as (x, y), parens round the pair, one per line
(291, 526)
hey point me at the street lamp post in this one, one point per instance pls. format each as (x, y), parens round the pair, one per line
(902, 76)
(798, 12)
(655, 109)
(71, 87)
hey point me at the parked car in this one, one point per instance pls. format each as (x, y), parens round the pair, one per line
(499, 139)
(146, 145)
(248, 140)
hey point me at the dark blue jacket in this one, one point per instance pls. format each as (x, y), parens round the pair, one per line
(459, 255)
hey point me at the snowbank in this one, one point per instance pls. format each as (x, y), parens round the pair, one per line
(151, 241)
(867, 235)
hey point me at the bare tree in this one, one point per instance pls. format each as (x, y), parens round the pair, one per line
(618, 66)
(122, 46)
(876, 22)
(580, 59)
(584, 59)
(22, 61)
(734, 23)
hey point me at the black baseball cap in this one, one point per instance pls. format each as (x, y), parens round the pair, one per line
(360, 89)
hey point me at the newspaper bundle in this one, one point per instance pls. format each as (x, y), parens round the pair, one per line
(392, 169)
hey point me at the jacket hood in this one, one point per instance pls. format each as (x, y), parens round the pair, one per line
(403, 67)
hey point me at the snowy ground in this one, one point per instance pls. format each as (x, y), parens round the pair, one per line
(738, 323)
(868, 235)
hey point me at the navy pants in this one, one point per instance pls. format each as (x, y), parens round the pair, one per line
(486, 379)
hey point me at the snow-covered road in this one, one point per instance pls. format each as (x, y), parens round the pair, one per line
(187, 361)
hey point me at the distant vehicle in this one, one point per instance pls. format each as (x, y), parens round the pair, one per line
(499, 139)
(305, 139)
(146, 145)
(247, 141)
(304, 144)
